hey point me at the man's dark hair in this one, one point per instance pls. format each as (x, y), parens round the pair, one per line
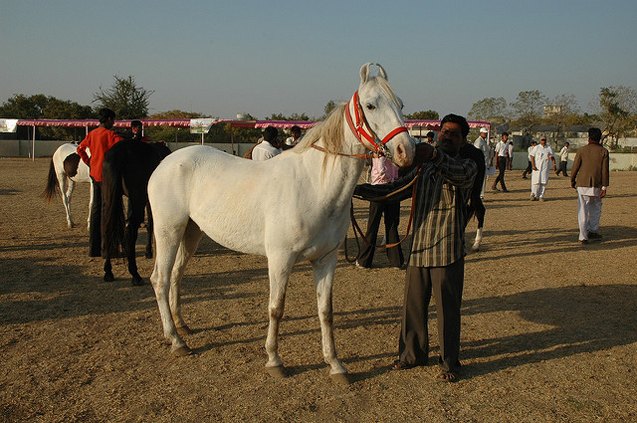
(464, 126)
(136, 124)
(505, 133)
(105, 114)
(270, 133)
(295, 130)
(595, 134)
(430, 134)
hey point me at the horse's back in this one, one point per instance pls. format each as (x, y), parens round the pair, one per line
(233, 200)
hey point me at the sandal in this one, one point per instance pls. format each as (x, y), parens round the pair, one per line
(448, 376)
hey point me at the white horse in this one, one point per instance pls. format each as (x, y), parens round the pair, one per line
(59, 178)
(292, 207)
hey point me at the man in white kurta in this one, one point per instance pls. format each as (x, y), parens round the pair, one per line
(542, 155)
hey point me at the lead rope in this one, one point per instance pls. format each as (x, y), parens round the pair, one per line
(359, 232)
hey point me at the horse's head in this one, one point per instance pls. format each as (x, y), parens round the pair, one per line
(375, 116)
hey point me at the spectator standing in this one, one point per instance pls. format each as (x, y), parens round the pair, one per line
(269, 147)
(430, 137)
(510, 155)
(98, 142)
(137, 129)
(590, 176)
(563, 159)
(542, 155)
(294, 139)
(383, 172)
(501, 154)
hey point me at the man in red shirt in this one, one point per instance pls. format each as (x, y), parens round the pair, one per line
(136, 128)
(98, 142)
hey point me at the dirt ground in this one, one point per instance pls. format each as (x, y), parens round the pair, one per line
(549, 330)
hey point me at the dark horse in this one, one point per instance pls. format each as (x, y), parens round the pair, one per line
(476, 206)
(126, 171)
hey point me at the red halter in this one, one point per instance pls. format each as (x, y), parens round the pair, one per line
(361, 130)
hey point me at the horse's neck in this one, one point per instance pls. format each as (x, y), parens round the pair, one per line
(335, 176)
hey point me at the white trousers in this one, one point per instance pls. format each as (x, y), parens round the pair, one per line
(538, 190)
(589, 210)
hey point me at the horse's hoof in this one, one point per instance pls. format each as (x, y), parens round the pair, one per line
(182, 351)
(109, 277)
(475, 248)
(341, 378)
(138, 281)
(277, 372)
(184, 330)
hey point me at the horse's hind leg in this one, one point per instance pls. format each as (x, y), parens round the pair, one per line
(149, 232)
(323, 277)
(167, 246)
(189, 244)
(66, 190)
(135, 219)
(108, 271)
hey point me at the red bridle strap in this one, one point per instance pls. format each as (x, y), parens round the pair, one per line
(358, 127)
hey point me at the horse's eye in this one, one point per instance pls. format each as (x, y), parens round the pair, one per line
(370, 106)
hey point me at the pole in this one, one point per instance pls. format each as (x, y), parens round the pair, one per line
(33, 145)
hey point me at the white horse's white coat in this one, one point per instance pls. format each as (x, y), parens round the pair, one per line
(290, 208)
(67, 184)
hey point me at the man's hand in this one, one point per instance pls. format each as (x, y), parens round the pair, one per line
(424, 153)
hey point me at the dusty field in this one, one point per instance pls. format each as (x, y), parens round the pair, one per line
(549, 328)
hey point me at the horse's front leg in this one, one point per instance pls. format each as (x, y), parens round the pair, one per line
(66, 199)
(90, 205)
(132, 230)
(279, 271)
(323, 277)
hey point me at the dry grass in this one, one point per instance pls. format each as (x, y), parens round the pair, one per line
(549, 328)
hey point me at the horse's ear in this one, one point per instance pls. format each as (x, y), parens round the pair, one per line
(365, 72)
(381, 72)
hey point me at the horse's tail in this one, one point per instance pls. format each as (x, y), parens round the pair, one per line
(51, 183)
(112, 208)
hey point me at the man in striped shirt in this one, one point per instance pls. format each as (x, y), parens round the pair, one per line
(436, 262)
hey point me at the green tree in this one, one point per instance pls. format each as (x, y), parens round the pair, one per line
(40, 106)
(125, 98)
(528, 108)
(293, 116)
(618, 108)
(424, 115)
(329, 107)
(491, 109)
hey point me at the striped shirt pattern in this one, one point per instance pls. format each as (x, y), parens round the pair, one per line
(442, 194)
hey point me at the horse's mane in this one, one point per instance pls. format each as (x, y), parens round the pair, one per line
(330, 130)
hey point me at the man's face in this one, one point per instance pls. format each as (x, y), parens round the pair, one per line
(543, 142)
(450, 139)
(483, 135)
(505, 138)
(135, 129)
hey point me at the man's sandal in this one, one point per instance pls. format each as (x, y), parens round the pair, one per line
(448, 376)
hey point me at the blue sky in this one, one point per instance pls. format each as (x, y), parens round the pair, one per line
(220, 58)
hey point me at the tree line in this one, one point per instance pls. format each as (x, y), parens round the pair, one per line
(617, 113)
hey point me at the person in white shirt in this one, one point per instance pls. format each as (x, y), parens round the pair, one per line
(383, 172)
(510, 155)
(563, 159)
(269, 147)
(482, 144)
(542, 154)
(501, 154)
(293, 140)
